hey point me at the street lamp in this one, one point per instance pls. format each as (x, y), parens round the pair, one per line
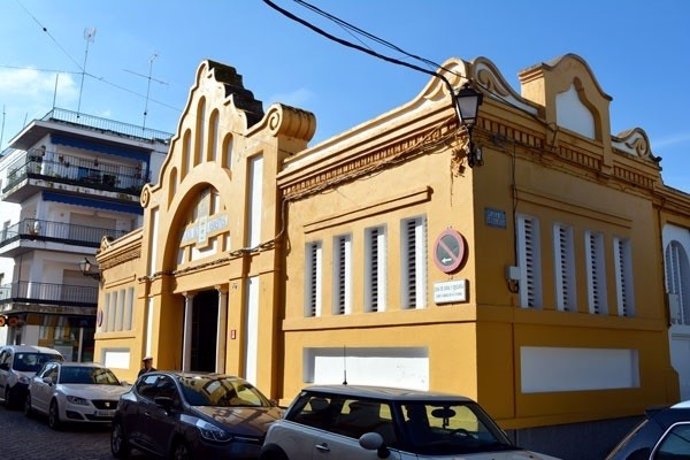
(85, 267)
(467, 102)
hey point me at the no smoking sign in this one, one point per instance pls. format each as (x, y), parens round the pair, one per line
(450, 251)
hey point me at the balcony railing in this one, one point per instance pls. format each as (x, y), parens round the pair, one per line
(49, 294)
(106, 125)
(59, 232)
(73, 170)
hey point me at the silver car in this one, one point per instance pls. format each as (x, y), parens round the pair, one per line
(367, 423)
(74, 392)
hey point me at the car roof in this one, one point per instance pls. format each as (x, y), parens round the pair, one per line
(211, 375)
(33, 349)
(386, 393)
(73, 364)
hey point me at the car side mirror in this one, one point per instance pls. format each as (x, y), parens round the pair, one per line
(48, 380)
(273, 402)
(374, 441)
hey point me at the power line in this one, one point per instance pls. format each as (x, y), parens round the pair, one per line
(371, 36)
(45, 29)
(39, 70)
(343, 42)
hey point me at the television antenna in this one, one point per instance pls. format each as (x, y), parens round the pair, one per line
(90, 37)
(149, 79)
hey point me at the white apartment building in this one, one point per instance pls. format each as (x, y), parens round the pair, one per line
(66, 181)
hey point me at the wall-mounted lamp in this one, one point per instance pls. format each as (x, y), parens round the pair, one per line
(85, 267)
(467, 102)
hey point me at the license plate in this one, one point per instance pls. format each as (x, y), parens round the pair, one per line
(105, 413)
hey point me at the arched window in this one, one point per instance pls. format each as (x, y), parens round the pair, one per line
(172, 186)
(227, 152)
(200, 130)
(212, 154)
(678, 283)
(186, 158)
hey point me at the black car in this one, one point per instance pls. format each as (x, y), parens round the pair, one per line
(664, 434)
(184, 415)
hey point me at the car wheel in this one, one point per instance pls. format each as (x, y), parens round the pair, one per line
(181, 451)
(273, 454)
(6, 401)
(54, 416)
(28, 411)
(119, 445)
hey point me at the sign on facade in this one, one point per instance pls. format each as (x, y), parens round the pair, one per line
(450, 291)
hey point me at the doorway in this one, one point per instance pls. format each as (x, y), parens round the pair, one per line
(204, 331)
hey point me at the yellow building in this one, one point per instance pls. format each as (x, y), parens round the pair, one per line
(532, 282)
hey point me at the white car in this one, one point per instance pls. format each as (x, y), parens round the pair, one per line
(368, 423)
(74, 392)
(18, 363)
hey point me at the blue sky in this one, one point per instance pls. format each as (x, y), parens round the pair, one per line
(639, 51)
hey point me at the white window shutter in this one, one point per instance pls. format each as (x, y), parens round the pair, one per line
(596, 273)
(530, 262)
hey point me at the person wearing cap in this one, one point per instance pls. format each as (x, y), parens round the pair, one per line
(148, 366)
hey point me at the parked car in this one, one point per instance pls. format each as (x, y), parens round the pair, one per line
(185, 415)
(361, 422)
(663, 434)
(74, 392)
(18, 364)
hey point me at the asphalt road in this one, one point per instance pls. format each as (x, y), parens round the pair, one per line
(22, 438)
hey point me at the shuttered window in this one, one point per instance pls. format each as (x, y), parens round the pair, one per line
(342, 275)
(375, 269)
(529, 258)
(313, 280)
(624, 285)
(596, 273)
(414, 261)
(678, 283)
(564, 266)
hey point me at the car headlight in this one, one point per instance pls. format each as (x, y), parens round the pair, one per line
(23, 379)
(211, 432)
(77, 400)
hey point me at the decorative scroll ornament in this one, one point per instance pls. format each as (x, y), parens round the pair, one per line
(145, 196)
(636, 143)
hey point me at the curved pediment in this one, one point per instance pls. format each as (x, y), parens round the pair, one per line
(635, 142)
(488, 77)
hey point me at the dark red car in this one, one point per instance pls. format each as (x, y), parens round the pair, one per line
(183, 416)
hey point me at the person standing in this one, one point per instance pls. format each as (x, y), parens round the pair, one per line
(148, 366)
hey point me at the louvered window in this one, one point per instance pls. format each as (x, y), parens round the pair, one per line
(596, 273)
(414, 255)
(678, 283)
(624, 285)
(529, 256)
(564, 266)
(342, 275)
(313, 280)
(375, 269)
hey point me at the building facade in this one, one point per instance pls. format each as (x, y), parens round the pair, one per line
(532, 282)
(67, 180)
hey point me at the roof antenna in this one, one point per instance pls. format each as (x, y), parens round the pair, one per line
(149, 78)
(89, 36)
(344, 365)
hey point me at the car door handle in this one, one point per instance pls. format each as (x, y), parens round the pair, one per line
(147, 413)
(323, 447)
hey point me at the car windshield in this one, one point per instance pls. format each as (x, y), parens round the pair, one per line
(88, 375)
(450, 428)
(220, 391)
(32, 362)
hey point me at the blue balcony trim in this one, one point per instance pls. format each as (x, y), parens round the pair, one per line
(126, 152)
(93, 203)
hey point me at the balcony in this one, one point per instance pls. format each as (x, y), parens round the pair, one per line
(30, 234)
(33, 172)
(31, 297)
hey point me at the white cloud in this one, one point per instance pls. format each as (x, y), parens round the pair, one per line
(35, 87)
(297, 98)
(680, 138)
